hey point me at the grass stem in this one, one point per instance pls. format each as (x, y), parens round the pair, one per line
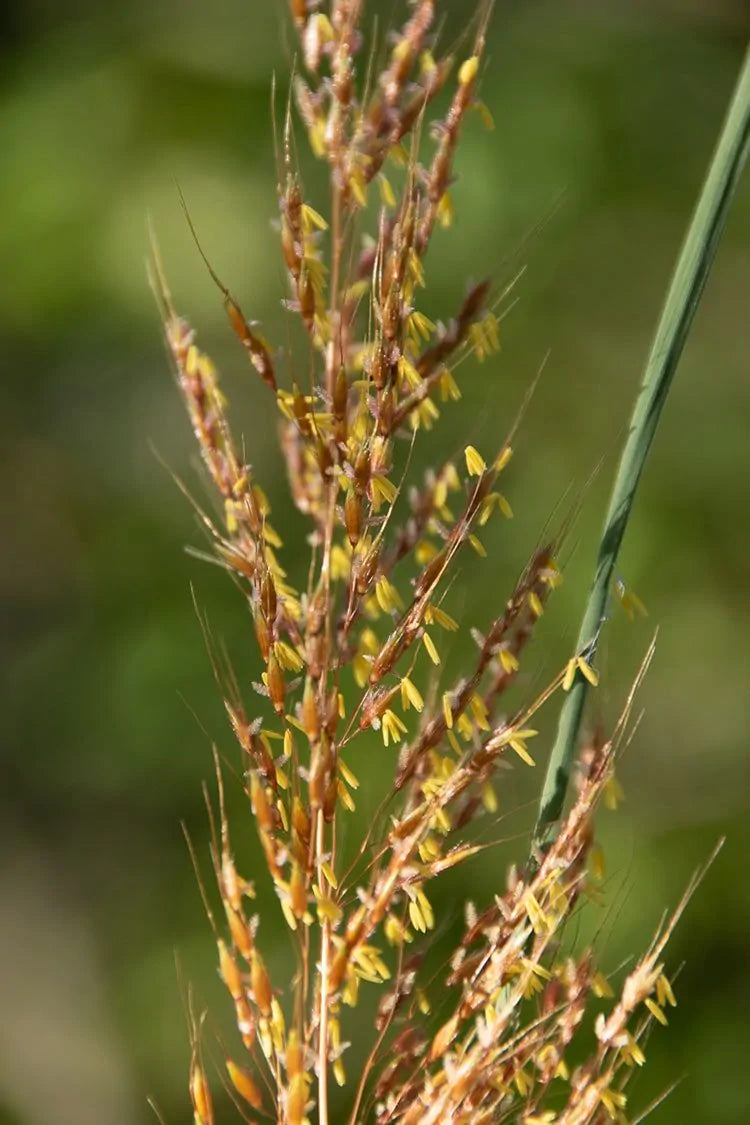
(688, 281)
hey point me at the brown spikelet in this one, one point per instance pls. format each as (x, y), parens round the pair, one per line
(245, 1084)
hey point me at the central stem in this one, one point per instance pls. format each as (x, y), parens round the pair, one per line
(323, 1014)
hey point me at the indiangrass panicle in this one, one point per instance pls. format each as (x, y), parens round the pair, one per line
(361, 647)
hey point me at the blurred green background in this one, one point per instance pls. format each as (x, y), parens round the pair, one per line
(108, 706)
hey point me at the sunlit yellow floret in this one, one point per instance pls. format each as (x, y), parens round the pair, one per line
(440, 495)
(341, 563)
(613, 1101)
(632, 1052)
(427, 63)
(288, 657)
(579, 664)
(429, 849)
(516, 739)
(383, 490)
(387, 595)
(664, 993)
(334, 1030)
(419, 327)
(535, 604)
(387, 196)
(423, 1002)
(410, 696)
(282, 778)
(519, 746)
(323, 27)
(392, 727)
(478, 546)
(370, 965)
(522, 1082)
(396, 933)
(424, 552)
(596, 863)
(358, 186)
(345, 796)
(327, 909)
(484, 115)
(350, 993)
(538, 919)
(437, 615)
(449, 388)
(368, 646)
(467, 72)
(420, 912)
(614, 793)
(537, 974)
(429, 645)
(656, 1011)
(312, 219)
(601, 986)
(316, 135)
(479, 711)
(408, 372)
(475, 463)
(445, 211)
(489, 797)
(415, 270)
(485, 336)
(629, 600)
(347, 775)
(455, 745)
(424, 414)
(464, 727)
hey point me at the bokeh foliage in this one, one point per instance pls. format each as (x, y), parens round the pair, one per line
(605, 118)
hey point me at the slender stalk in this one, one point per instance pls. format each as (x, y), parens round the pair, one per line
(323, 1019)
(688, 281)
